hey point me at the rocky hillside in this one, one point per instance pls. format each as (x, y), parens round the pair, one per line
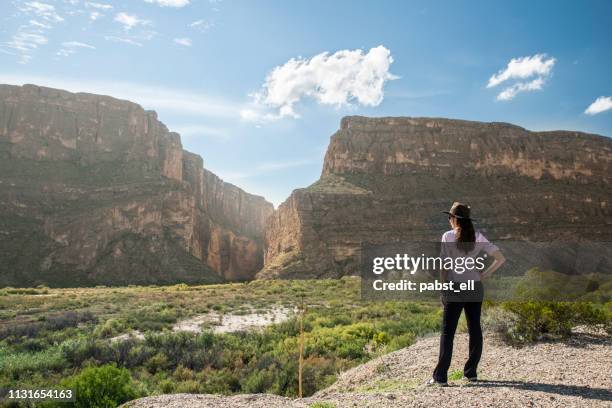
(570, 374)
(96, 190)
(387, 179)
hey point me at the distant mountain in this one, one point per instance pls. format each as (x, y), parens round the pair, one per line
(96, 190)
(386, 180)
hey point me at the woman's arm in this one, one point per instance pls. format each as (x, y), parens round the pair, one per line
(497, 262)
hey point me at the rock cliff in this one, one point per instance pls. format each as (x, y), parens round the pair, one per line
(95, 190)
(387, 179)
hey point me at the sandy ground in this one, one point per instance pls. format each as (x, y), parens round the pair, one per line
(575, 373)
(222, 323)
(227, 323)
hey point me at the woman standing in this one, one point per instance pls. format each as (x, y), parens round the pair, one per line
(463, 241)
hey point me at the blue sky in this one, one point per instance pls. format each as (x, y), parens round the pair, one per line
(242, 83)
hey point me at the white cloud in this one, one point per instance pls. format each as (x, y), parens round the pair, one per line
(99, 6)
(130, 21)
(25, 43)
(42, 10)
(339, 79)
(98, 9)
(70, 47)
(601, 104)
(122, 40)
(38, 25)
(169, 3)
(537, 66)
(32, 35)
(151, 97)
(185, 42)
(201, 25)
(511, 91)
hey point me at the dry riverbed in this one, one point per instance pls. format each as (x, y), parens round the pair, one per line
(223, 322)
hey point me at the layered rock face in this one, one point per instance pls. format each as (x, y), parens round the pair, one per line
(95, 190)
(387, 179)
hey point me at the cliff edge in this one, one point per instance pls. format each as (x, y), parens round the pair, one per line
(386, 180)
(96, 190)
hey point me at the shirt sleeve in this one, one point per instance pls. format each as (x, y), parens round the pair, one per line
(485, 245)
(443, 245)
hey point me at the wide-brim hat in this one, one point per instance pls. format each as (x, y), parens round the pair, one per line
(460, 210)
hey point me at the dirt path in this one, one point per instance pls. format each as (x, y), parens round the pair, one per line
(576, 373)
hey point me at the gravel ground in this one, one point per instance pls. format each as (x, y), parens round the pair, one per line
(575, 373)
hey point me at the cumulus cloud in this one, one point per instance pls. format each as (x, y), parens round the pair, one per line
(529, 74)
(185, 42)
(339, 79)
(70, 47)
(601, 104)
(130, 21)
(169, 3)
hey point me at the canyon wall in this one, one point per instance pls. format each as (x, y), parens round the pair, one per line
(387, 179)
(96, 190)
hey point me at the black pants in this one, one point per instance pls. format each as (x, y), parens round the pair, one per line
(452, 312)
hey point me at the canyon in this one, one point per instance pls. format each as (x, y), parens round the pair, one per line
(386, 180)
(97, 191)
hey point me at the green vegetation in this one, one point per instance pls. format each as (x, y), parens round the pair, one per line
(526, 322)
(104, 387)
(322, 405)
(64, 337)
(60, 337)
(455, 375)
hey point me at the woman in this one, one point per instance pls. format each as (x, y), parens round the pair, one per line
(463, 241)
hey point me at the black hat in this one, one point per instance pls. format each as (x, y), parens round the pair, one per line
(460, 210)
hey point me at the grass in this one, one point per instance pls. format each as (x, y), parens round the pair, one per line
(455, 375)
(50, 335)
(57, 334)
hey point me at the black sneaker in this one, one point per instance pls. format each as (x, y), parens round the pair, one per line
(433, 381)
(470, 379)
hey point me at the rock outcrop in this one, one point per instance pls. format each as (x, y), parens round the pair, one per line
(95, 190)
(387, 179)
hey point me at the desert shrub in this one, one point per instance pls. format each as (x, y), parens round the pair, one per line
(110, 328)
(68, 319)
(218, 381)
(401, 341)
(525, 322)
(258, 382)
(102, 387)
(318, 373)
(187, 387)
(26, 291)
(158, 362)
(155, 317)
(13, 365)
(54, 322)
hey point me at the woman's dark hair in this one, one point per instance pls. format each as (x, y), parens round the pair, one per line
(466, 236)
